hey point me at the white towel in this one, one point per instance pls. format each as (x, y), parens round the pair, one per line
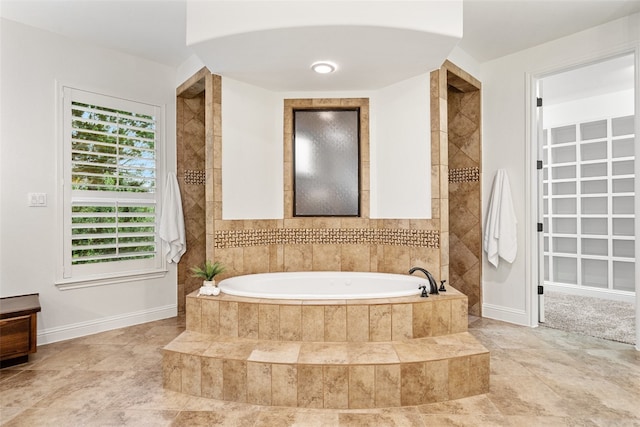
(500, 227)
(172, 221)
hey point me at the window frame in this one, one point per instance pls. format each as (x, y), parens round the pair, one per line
(358, 161)
(291, 104)
(71, 276)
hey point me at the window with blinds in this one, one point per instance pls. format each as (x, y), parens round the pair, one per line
(112, 231)
(111, 177)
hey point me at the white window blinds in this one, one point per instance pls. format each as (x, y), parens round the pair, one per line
(111, 172)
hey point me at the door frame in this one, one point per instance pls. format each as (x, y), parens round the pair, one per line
(532, 202)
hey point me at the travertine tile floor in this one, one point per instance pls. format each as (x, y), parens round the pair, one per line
(540, 377)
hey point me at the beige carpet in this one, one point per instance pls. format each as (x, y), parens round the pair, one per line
(596, 317)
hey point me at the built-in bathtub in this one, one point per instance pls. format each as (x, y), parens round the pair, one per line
(313, 347)
(324, 285)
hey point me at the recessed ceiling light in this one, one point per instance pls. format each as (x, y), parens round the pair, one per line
(324, 67)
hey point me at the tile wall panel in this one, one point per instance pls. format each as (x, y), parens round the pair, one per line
(192, 182)
(303, 244)
(464, 157)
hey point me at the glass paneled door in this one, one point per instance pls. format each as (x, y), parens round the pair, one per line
(588, 178)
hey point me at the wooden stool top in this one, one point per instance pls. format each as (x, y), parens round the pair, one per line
(20, 305)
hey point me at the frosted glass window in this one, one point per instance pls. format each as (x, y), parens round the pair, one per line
(623, 168)
(594, 205)
(595, 272)
(563, 172)
(594, 226)
(622, 126)
(594, 187)
(593, 151)
(593, 169)
(565, 270)
(593, 130)
(326, 163)
(623, 226)
(563, 134)
(623, 147)
(564, 188)
(624, 248)
(595, 247)
(563, 154)
(565, 244)
(623, 185)
(623, 205)
(546, 244)
(624, 276)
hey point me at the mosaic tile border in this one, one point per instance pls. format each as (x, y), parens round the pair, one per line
(327, 236)
(464, 174)
(195, 177)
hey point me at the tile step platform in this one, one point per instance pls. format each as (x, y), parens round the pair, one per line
(336, 375)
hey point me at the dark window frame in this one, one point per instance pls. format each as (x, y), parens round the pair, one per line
(358, 163)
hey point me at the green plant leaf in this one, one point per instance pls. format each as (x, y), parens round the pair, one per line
(208, 270)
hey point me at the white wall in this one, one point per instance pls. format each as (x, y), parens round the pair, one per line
(465, 61)
(188, 68)
(508, 290)
(252, 152)
(402, 145)
(400, 141)
(33, 61)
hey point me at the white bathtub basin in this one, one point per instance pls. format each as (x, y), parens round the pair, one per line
(323, 285)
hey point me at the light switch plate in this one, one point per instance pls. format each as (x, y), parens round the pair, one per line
(37, 199)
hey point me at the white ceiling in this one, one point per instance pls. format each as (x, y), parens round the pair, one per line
(495, 28)
(150, 29)
(156, 29)
(367, 57)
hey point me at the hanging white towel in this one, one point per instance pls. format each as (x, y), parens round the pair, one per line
(500, 227)
(172, 221)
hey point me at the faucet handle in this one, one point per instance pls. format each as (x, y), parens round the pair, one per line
(424, 293)
(442, 288)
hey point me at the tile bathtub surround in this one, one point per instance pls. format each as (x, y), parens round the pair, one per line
(321, 244)
(336, 353)
(538, 377)
(385, 319)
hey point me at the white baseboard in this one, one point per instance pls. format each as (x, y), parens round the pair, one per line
(61, 333)
(505, 314)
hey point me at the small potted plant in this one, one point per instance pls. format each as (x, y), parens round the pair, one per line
(208, 272)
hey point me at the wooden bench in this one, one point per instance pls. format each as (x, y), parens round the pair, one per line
(18, 328)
